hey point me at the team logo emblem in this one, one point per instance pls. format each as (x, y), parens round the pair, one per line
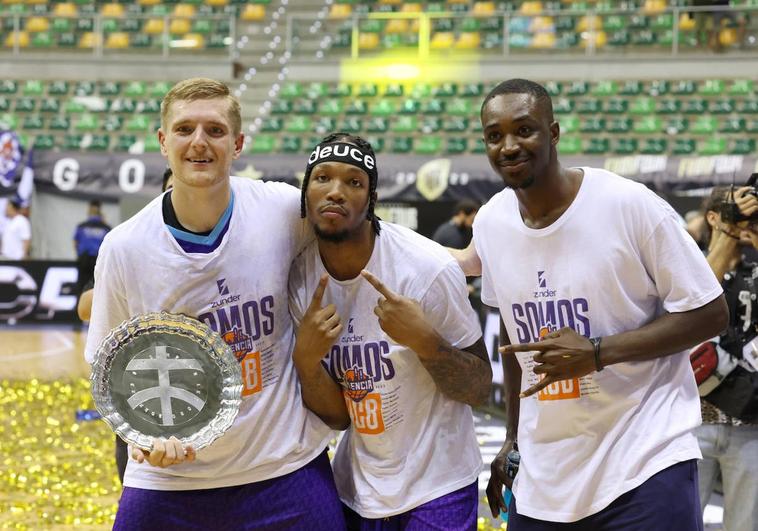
(152, 392)
(240, 343)
(358, 383)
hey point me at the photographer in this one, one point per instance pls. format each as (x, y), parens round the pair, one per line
(729, 434)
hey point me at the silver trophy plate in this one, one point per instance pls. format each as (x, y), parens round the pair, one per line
(160, 374)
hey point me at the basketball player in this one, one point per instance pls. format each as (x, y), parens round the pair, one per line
(401, 372)
(218, 249)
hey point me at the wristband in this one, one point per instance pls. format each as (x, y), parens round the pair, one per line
(596, 345)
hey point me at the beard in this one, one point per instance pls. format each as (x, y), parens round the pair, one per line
(522, 185)
(333, 237)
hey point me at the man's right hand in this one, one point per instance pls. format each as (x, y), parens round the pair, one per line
(320, 327)
(498, 480)
(165, 453)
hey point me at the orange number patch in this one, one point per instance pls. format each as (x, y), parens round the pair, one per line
(562, 390)
(366, 414)
(251, 374)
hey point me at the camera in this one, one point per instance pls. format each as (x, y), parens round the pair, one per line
(730, 211)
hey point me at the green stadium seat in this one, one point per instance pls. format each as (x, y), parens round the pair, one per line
(721, 106)
(402, 144)
(159, 89)
(281, 107)
(330, 107)
(751, 126)
(564, 23)
(272, 125)
(317, 90)
(135, 89)
(554, 88)
(674, 126)
(619, 125)
(492, 40)
(569, 123)
(732, 125)
(472, 90)
(42, 39)
(642, 105)
(460, 107)
(456, 145)
(442, 25)
(5, 104)
(113, 123)
(87, 122)
(151, 144)
(613, 23)
(421, 90)
(8, 121)
(98, 143)
(324, 125)
(748, 106)
(668, 106)
(631, 88)
(383, 107)
(138, 124)
(694, 106)
(445, 90)
(711, 87)
(596, 146)
(647, 125)
(704, 125)
(110, 88)
(683, 146)
(570, 145)
(393, 90)
(356, 107)
(351, 124)
(377, 124)
(368, 90)
(578, 88)
(589, 106)
(372, 25)
(292, 90)
(616, 106)
(59, 123)
(743, 146)
(33, 88)
(404, 124)
(25, 105)
(109, 25)
(604, 89)
(410, 106)
(67, 40)
(455, 124)
(57, 88)
(712, 146)
(619, 38)
(683, 87)
(45, 141)
(433, 106)
(131, 25)
(625, 146)
(33, 122)
(340, 90)
(72, 142)
(658, 87)
(141, 40)
(428, 145)
(125, 105)
(304, 106)
(592, 125)
(662, 22)
(61, 25)
(261, 144)
(298, 124)
(741, 87)
(430, 124)
(563, 106)
(654, 146)
(84, 88)
(125, 142)
(377, 142)
(638, 21)
(201, 26)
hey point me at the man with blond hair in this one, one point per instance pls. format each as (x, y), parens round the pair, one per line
(192, 251)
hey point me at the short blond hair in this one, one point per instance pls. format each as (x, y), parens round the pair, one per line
(202, 88)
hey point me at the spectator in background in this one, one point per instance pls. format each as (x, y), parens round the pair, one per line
(87, 240)
(17, 234)
(456, 232)
(729, 435)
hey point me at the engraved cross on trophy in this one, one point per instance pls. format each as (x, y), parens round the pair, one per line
(159, 374)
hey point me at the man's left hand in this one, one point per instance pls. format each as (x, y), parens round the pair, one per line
(401, 318)
(561, 355)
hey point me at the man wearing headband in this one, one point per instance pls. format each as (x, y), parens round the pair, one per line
(399, 373)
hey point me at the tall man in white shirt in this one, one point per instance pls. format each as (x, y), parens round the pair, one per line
(389, 347)
(219, 249)
(600, 292)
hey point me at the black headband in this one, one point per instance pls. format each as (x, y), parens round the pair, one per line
(343, 152)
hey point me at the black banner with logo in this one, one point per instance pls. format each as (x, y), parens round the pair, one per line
(406, 178)
(38, 292)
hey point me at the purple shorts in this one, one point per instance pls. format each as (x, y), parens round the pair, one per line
(667, 501)
(303, 499)
(456, 511)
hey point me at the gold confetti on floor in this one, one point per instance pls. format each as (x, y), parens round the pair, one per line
(55, 472)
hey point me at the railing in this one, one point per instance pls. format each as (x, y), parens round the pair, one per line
(591, 33)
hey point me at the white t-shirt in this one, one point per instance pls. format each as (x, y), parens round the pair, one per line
(613, 262)
(17, 231)
(407, 443)
(241, 286)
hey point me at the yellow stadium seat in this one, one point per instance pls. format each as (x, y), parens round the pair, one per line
(589, 22)
(442, 40)
(154, 26)
(542, 24)
(89, 39)
(483, 8)
(653, 7)
(253, 12)
(36, 24)
(397, 25)
(411, 8)
(148, 2)
(117, 39)
(340, 11)
(468, 40)
(686, 23)
(390, 2)
(728, 37)
(598, 37)
(531, 8)
(217, 3)
(179, 26)
(184, 10)
(543, 41)
(415, 23)
(21, 38)
(112, 10)
(65, 9)
(368, 41)
(194, 40)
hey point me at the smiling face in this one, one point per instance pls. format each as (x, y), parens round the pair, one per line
(199, 141)
(520, 136)
(337, 199)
